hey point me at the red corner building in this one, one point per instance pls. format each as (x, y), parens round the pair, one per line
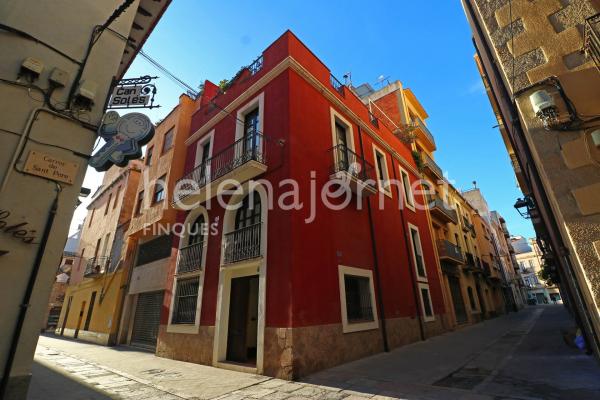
(276, 290)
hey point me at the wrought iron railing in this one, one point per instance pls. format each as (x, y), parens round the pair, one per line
(470, 260)
(467, 225)
(189, 258)
(96, 266)
(337, 85)
(592, 39)
(243, 244)
(486, 268)
(421, 125)
(248, 148)
(429, 163)
(449, 249)
(345, 160)
(256, 65)
(435, 202)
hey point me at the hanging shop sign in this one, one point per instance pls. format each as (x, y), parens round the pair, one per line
(124, 135)
(51, 167)
(134, 93)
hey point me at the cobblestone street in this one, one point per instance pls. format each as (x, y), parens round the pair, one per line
(519, 356)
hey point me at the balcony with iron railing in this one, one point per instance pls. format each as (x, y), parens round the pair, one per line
(470, 262)
(448, 251)
(337, 85)
(243, 244)
(441, 210)
(487, 270)
(478, 265)
(352, 169)
(423, 131)
(431, 166)
(190, 258)
(592, 39)
(467, 226)
(96, 266)
(241, 161)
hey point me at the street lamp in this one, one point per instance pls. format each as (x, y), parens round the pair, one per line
(524, 207)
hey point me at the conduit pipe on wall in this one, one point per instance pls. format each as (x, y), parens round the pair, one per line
(413, 278)
(378, 294)
(29, 292)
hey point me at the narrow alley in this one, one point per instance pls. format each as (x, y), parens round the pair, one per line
(518, 356)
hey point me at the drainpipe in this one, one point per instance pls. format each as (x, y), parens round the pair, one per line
(378, 293)
(28, 293)
(413, 278)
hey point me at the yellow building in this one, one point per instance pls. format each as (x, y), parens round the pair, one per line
(530, 265)
(91, 308)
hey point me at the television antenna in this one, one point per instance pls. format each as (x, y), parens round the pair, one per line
(381, 79)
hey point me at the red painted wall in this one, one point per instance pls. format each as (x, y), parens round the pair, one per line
(303, 259)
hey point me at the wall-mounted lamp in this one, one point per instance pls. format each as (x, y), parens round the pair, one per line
(544, 107)
(524, 207)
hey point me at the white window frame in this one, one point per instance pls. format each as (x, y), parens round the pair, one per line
(257, 102)
(349, 327)
(413, 247)
(387, 188)
(407, 191)
(195, 327)
(200, 145)
(337, 117)
(426, 318)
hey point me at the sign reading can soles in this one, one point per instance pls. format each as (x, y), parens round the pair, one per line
(51, 167)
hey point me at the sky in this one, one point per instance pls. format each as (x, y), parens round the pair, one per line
(425, 45)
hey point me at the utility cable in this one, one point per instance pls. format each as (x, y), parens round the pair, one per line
(156, 64)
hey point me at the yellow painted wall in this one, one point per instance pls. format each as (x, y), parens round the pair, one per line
(104, 318)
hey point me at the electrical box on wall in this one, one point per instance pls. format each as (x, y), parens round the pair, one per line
(32, 68)
(86, 94)
(58, 77)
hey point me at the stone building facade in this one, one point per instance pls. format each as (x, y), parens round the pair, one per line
(538, 62)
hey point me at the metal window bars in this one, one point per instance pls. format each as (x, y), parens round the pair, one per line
(592, 39)
(243, 244)
(186, 298)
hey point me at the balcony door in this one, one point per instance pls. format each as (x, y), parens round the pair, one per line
(251, 134)
(204, 167)
(196, 235)
(249, 213)
(341, 137)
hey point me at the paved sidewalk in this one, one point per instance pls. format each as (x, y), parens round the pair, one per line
(519, 356)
